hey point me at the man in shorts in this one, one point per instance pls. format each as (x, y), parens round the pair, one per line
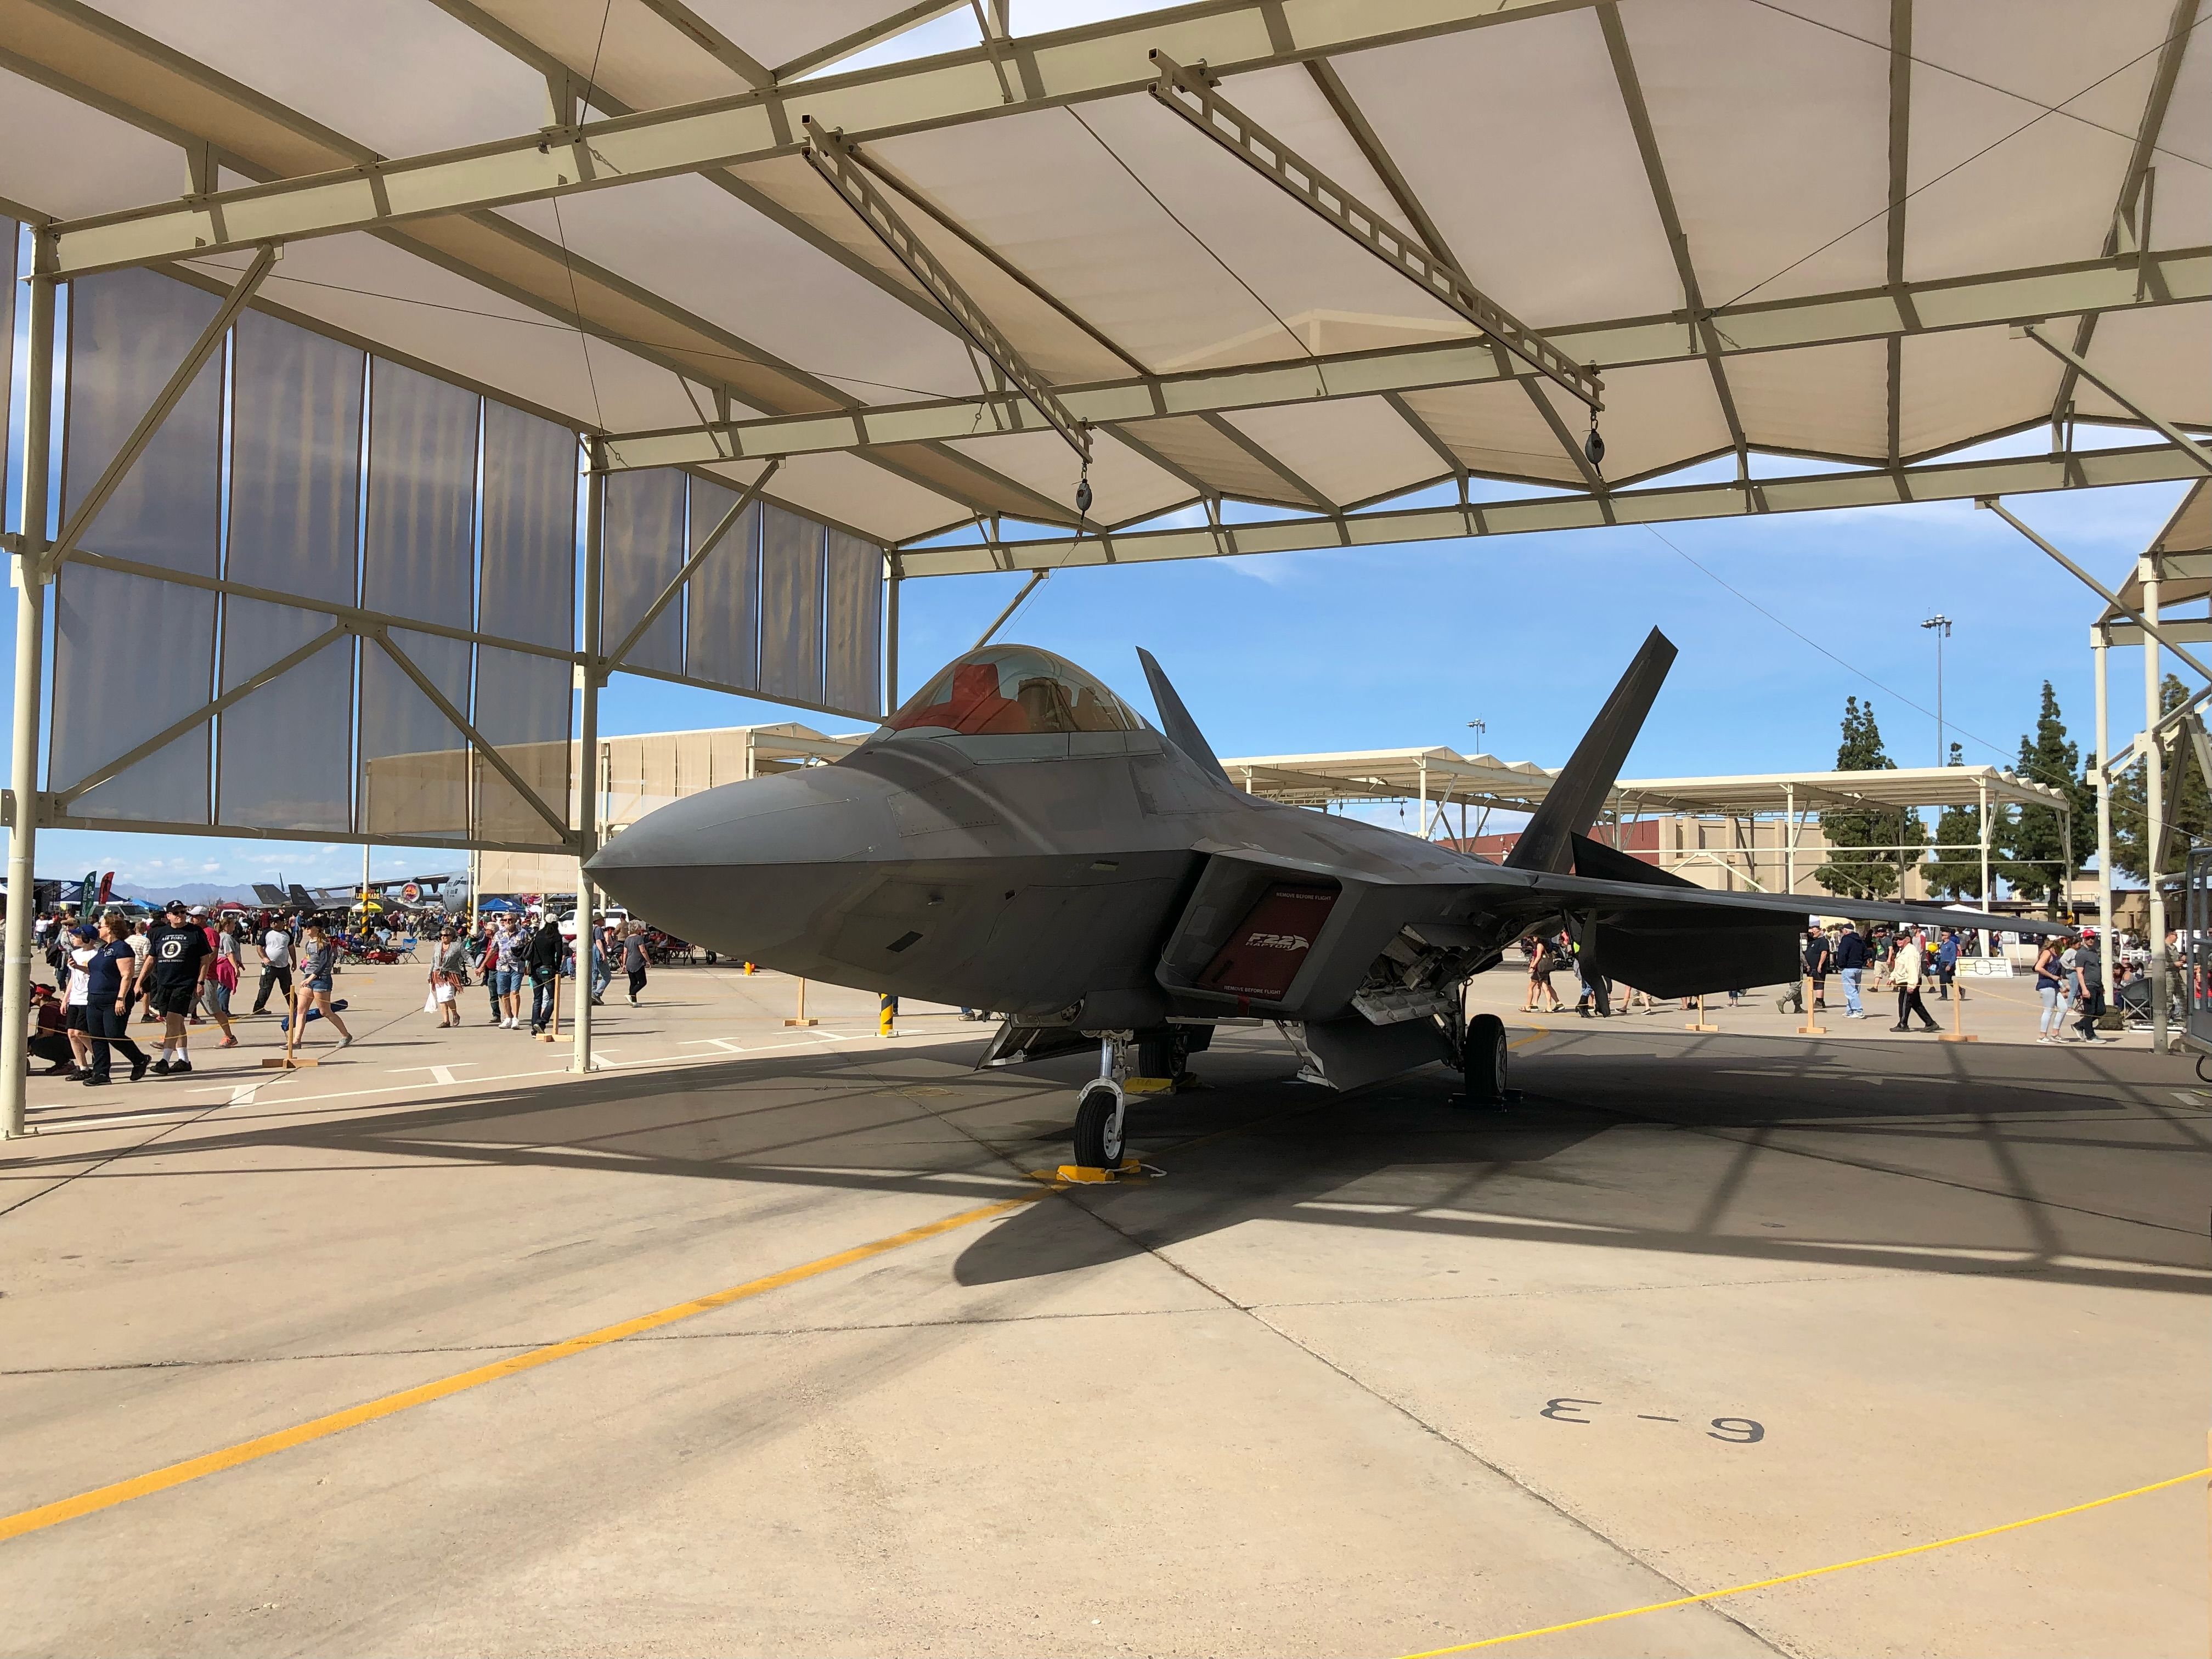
(178, 957)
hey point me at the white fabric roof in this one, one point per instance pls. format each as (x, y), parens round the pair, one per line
(1554, 151)
(1441, 775)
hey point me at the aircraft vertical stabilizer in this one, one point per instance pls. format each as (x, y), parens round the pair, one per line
(1181, 731)
(1577, 797)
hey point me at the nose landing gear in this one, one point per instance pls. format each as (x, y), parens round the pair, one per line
(1099, 1116)
(1102, 1116)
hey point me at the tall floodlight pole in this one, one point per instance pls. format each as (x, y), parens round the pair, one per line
(1478, 728)
(1939, 625)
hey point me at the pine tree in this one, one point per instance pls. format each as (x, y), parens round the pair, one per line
(1853, 873)
(2188, 803)
(2034, 837)
(1957, 874)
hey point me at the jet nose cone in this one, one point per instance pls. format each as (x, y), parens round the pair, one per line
(737, 867)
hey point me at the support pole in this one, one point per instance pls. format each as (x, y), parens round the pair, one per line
(2153, 818)
(588, 748)
(1789, 848)
(31, 572)
(891, 640)
(1423, 767)
(2100, 643)
(1981, 819)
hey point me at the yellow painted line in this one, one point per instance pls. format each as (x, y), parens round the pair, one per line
(122, 1492)
(1813, 1573)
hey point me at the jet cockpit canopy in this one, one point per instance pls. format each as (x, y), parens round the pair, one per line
(1009, 690)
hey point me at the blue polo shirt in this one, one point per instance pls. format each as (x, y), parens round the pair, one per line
(103, 973)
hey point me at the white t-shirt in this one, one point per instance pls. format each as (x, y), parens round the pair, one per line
(79, 984)
(277, 947)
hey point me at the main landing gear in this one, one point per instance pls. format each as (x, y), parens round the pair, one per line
(1483, 1059)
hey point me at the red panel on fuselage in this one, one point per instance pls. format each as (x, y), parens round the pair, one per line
(1268, 947)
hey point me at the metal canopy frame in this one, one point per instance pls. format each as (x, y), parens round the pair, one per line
(311, 181)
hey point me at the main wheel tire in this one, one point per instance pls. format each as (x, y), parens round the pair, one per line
(1098, 1135)
(1160, 1054)
(1483, 1060)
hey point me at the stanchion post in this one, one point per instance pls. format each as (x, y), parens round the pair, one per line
(1958, 1033)
(887, 1015)
(1698, 1024)
(1812, 1027)
(801, 1019)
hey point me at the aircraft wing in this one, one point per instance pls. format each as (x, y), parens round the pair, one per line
(1588, 892)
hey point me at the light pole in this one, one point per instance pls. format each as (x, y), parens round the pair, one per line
(1478, 727)
(1939, 625)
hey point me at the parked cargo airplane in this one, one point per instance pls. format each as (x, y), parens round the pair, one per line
(1017, 838)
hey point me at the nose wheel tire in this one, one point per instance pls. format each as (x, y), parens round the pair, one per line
(1098, 1117)
(1483, 1061)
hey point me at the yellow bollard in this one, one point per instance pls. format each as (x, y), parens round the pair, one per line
(887, 1015)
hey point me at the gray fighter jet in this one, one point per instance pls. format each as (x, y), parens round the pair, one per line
(1017, 839)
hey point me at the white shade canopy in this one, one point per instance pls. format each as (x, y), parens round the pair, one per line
(1801, 228)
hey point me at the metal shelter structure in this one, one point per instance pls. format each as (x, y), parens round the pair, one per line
(2174, 573)
(808, 294)
(1437, 778)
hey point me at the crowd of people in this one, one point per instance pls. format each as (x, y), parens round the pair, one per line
(1869, 959)
(180, 967)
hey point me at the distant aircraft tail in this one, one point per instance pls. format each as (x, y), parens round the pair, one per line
(1578, 796)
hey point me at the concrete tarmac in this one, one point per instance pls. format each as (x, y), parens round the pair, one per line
(1356, 1374)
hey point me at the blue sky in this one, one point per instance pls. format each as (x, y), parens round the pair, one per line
(1404, 645)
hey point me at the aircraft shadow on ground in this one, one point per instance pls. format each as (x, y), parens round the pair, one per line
(1403, 1157)
(1410, 1157)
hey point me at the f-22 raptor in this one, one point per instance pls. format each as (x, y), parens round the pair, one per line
(1017, 838)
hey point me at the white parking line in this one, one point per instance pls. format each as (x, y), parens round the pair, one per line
(443, 1073)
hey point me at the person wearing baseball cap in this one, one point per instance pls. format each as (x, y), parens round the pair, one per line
(179, 958)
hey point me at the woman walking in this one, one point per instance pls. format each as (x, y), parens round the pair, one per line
(634, 960)
(223, 979)
(111, 982)
(449, 971)
(2051, 987)
(318, 962)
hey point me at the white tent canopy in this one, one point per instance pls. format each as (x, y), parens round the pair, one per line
(1802, 230)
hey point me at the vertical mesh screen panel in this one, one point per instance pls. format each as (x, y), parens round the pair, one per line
(724, 624)
(644, 541)
(530, 528)
(128, 332)
(285, 757)
(851, 680)
(419, 560)
(284, 753)
(414, 761)
(523, 707)
(791, 606)
(133, 655)
(421, 552)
